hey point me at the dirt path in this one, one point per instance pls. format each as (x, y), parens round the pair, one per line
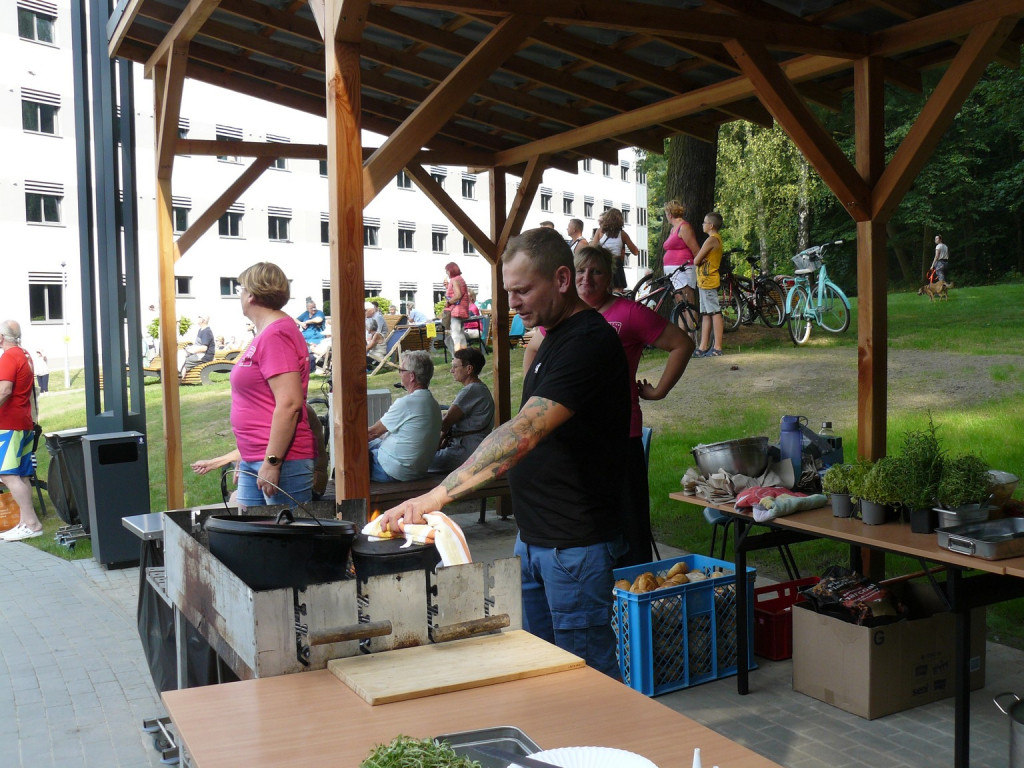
(821, 383)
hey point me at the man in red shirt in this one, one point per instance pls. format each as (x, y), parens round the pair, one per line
(16, 423)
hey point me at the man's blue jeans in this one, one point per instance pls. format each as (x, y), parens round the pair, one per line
(567, 598)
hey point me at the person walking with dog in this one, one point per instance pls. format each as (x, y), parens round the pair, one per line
(940, 261)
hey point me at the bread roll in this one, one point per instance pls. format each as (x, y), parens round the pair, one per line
(678, 568)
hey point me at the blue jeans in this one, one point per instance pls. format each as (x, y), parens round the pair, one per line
(567, 599)
(377, 473)
(296, 481)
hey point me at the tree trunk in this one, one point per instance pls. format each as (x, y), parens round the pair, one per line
(690, 179)
(901, 255)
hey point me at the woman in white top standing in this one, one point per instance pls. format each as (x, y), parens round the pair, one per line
(612, 237)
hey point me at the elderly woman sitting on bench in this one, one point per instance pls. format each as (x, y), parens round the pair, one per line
(403, 442)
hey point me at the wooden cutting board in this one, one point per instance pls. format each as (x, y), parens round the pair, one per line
(411, 673)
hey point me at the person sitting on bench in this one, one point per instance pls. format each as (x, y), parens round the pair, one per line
(403, 442)
(470, 418)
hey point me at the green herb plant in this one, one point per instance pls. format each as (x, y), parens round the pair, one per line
(922, 460)
(883, 483)
(964, 480)
(855, 482)
(407, 752)
(837, 478)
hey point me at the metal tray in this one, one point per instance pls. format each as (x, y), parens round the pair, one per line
(990, 540)
(506, 737)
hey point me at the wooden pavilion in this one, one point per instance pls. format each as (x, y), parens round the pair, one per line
(515, 86)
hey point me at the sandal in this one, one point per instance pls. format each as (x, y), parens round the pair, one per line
(20, 532)
(712, 353)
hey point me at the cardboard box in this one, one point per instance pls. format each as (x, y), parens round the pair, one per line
(875, 671)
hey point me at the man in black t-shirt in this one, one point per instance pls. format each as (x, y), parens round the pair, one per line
(563, 452)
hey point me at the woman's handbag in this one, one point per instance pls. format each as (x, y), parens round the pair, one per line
(10, 514)
(446, 318)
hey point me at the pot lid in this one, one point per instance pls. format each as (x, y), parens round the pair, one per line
(268, 525)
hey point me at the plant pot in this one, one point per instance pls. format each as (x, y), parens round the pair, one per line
(841, 505)
(923, 520)
(873, 513)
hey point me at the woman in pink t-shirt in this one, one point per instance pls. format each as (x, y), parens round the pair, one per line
(638, 328)
(268, 396)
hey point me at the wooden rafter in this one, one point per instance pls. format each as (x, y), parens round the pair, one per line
(190, 21)
(938, 27)
(524, 198)
(781, 99)
(220, 206)
(124, 22)
(458, 217)
(937, 114)
(432, 114)
(170, 108)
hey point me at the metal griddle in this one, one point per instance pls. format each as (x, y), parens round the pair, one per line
(989, 540)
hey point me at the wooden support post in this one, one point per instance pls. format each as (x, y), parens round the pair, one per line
(167, 101)
(499, 302)
(344, 21)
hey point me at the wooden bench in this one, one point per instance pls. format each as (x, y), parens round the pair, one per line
(386, 495)
(223, 361)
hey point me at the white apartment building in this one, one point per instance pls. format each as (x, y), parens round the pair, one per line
(281, 218)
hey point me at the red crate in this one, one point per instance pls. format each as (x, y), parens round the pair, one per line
(773, 617)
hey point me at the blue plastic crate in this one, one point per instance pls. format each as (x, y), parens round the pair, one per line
(680, 636)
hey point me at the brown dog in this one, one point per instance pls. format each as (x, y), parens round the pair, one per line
(938, 290)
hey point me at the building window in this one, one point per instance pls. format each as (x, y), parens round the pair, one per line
(42, 208)
(36, 25)
(545, 201)
(567, 206)
(641, 217)
(625, 215)
(405, 298)
(39, 111)
(606, 169)
(46, 297)
(439, 177)
(325, 231)
(183, 130)
(468, 248)
(229, 286)
(586, 165)
(641, 176)
(281, 163)
(468, 188)
(624, 172)
(278, 226)
(404, 180)
(405, 239)
(371, 236)
(642, 258)
(180, 217)
(227, 133)
(183, 286)
(438, 242)
(230, 224)
(439, 295)
(588, 209)
(323, 168)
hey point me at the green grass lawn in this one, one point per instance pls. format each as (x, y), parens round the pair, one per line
(960, 327)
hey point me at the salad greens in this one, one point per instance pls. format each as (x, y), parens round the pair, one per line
(407, 752)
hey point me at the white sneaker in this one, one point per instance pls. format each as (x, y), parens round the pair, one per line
(20, 532)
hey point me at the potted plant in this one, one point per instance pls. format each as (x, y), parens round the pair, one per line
(881, 489)
(963, 490)
(836, 483)
(922, 461)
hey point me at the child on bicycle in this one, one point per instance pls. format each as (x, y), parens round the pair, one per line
(708, 261)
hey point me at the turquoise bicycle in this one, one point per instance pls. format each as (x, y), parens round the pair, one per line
(822, 302)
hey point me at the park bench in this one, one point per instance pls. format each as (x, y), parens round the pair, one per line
(223, 361)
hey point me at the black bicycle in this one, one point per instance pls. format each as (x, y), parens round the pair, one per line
(745, 299)
(652, 291)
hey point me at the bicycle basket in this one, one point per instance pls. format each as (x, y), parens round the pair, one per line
(808, 259)
(725, 266)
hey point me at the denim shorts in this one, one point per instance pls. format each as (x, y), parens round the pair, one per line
(296, 481)
(567, 598)
(377, 473)
(709, 302)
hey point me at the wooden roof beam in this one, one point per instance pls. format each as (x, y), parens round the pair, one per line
(520, 208)
(782, 100)
(273, 149)
(941, 26)
(173, 72)
(220, 206)
(396, 152)
(653, 19)
(458, 217)
(190, 20)
(726, 92)
(938, 113)
(122, 23)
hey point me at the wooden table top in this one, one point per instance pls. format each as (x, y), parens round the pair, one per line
(892, 537)
(312, 719)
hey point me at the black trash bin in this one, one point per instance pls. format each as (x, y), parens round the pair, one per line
(65, 479)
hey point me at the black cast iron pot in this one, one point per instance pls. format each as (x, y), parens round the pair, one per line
(274, 552)
(380, 558)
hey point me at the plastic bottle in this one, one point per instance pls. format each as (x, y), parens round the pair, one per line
(696, 758)
(791, 444)
(826, 430)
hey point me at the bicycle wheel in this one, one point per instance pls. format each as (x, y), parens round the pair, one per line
(729, 302)
(648, 292)
(799, 322)
(686, 317)
(771, 303)
(833, 314)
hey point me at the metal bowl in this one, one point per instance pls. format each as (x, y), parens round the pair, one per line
(1001, 485)
(746, 456)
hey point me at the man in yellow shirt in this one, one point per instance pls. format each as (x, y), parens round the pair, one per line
(708, 261)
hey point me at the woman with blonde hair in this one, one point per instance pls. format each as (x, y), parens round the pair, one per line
(268, 396)
(613, 238)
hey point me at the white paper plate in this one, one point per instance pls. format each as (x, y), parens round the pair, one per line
(593, 757)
